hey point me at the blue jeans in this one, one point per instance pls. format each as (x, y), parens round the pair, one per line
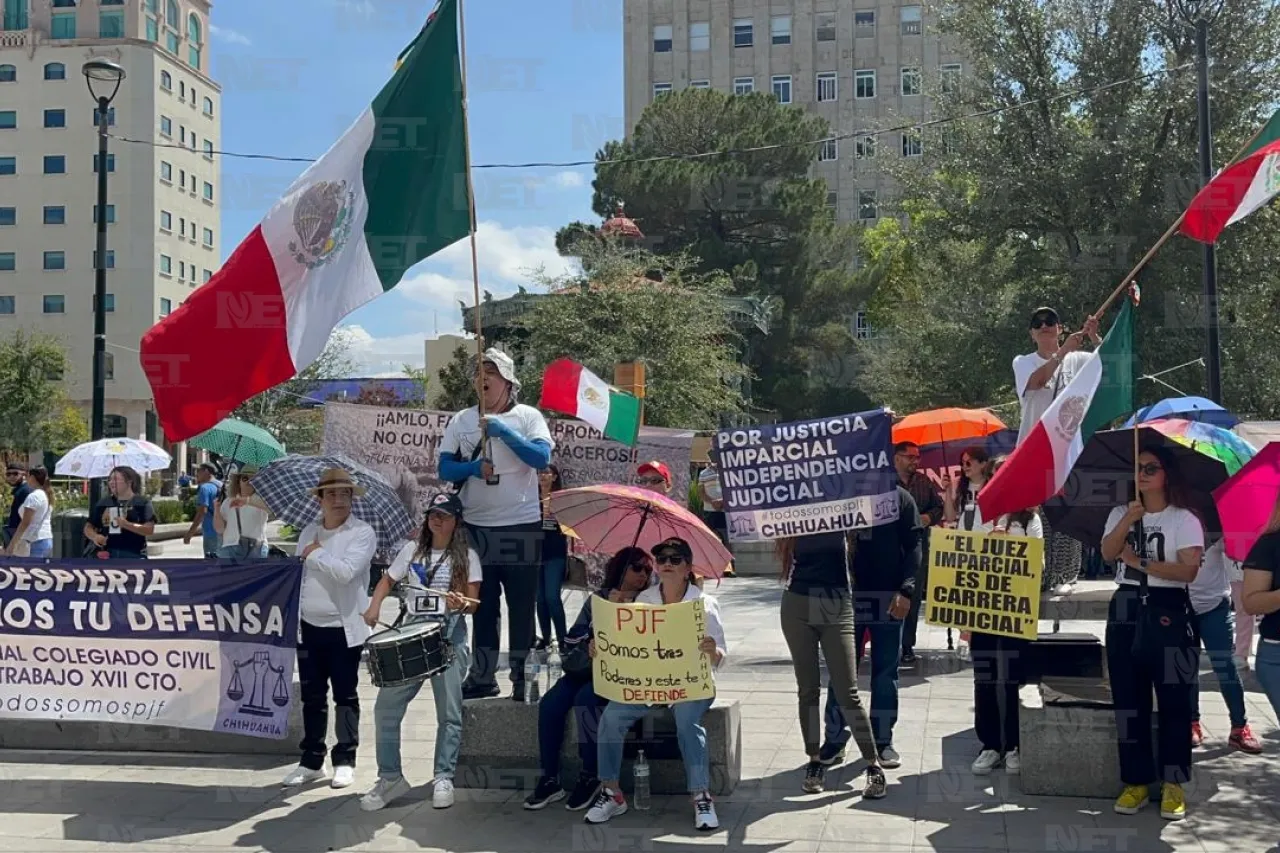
(212, 543)
(1266, 665)
(550, 605)
(238, 552)
(42, 549)
(617, 720)
(1217, 635)
(393, 702)
(872, 614)
(576, 694)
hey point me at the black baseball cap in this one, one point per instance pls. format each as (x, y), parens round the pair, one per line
(1043, 314)
(15, 468)
(673, 546)
(446, 502)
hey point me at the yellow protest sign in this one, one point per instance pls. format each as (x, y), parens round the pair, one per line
(647, 654)
(980, 582)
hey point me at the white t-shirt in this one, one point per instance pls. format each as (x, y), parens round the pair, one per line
(1036, 403)
(254, 516)
(969, 514)
(710, 480)
(41, 527)
(515, 499)
(420, 604)
(1213, 581)
(1034, 528)
(1167, 532)
(715, 627)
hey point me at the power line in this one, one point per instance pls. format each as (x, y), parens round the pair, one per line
(729, 152)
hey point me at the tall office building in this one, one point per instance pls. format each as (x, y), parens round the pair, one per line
(163, 192)
(866, 64)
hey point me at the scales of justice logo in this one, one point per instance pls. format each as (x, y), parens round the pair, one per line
(262, 687)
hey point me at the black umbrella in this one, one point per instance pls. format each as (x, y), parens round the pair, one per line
(1102, 479)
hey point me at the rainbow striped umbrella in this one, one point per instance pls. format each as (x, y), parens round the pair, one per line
(1206, 439)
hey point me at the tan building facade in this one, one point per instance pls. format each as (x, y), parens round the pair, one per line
(163, 212)
(862, 65)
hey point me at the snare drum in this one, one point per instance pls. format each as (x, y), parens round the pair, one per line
(408, 654)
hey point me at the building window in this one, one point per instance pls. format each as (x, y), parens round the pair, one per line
(782, 88)
(108, 373)
(194, 41)
(911, 82)
(111, 163)
(166, 265)
(166, 126)
(864, 84)
(108, 303)
(166, 221)
(55, 164)
(111, 214)
(8, 74)
(166, 172)
(864, 24)
(780, 29)
(826, 86)
(166, 81)
(8, 216)
(182, 270)
(153, 30)
(208, 237)
(55, 71)
(912, 145)
(64, 25)
(743, 33)
(6, 305)
(63, 4)
(8, 261)
(208, 107)
(111, 264)
(8, 165)
(829, 150)
(115, 426)
(208, 150)
(825, 28)
(171, 42)
(660, 89)
(55, 261)
(55, 215)
(182, 133)
(868, 205)
(55, 304)
(912, 22)
(864, 147)
(15, 15)
(208, 189)
(55, 118)
(700, 84)
(833, 202)
(8, 119)
(111, 24)
(699, 36)
(662, 38)
(949, 76)
(208, 274)
(111, 116)
(861, 328)
(744, 85)
(166, 307)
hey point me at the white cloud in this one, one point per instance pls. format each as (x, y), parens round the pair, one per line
(383, 357)
(362, 8)
(567, 180)
(228, 35)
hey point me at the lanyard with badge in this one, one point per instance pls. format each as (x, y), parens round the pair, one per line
(428, 603)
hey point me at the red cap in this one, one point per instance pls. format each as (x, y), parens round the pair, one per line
(654, 467)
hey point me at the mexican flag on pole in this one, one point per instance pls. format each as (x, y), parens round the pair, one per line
(1238, 190)
(384, 197)
(570, 388)
(1101, 392)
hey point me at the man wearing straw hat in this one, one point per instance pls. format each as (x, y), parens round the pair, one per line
(493, 459)
(336, 551)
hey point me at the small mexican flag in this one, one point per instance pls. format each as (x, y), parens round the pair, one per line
(1238, 190)
(570, 388)
(383, 198)
(1101, 392)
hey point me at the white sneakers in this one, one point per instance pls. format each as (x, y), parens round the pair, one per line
(301, 776)
(1012, 763)
(384, 792)
(343, 776)
(608, 804)
(442, 794)
(989, 760)
(704, 814)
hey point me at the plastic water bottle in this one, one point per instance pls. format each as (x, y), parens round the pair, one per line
(532, 685)
(640, 772)
(554, 669)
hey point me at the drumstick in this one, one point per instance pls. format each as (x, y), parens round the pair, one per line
(439, 594)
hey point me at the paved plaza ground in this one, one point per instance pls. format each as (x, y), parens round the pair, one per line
(159, 802)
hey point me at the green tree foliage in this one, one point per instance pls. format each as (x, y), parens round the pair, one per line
(280, 410)
(756, 215)
(639, 307)
(457, 382)
(33, 406)
(1054, 202)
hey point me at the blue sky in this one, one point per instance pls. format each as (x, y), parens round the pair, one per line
(545, 83)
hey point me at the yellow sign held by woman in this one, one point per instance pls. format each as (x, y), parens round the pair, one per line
(985, 583)
(648, 654)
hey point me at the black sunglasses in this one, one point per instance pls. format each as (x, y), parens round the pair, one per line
(670, 559)
(1150, 469)
(640, 567)
(1042, 322)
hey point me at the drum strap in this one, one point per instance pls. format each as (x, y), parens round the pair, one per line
(426, 577)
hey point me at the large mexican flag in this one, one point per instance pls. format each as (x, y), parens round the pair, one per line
(1101, 392)
(1238, 190)
(384, 197)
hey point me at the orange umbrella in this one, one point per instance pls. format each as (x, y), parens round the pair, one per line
(941, 425)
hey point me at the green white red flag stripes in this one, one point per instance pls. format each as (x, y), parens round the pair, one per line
(384, 197)
(1100, 392)
(1238, 190)
(570, 388)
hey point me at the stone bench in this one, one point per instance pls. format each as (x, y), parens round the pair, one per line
(1067, 739)
(500, 748)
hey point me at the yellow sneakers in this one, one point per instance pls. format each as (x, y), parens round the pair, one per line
(1133, 799)
(1173, 803)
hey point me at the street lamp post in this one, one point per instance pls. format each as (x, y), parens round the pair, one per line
(103, 78)
(1199, 14)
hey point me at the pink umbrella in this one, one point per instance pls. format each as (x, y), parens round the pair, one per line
(1245, 501)
(611, 517)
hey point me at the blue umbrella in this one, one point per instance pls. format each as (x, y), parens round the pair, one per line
(1187, 409)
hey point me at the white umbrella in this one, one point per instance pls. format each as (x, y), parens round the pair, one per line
(96, 458)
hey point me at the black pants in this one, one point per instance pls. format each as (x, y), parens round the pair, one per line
(922, 589)
(1132, 684)
(998, 664)
(512, 561)
(324, 659)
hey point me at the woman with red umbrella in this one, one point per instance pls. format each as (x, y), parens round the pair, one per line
(1262, 598)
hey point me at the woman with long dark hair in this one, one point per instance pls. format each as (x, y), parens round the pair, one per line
(119, 525)
(960, 504)
(555, 553)
(1261, 597)
(626, 575)
(441, 561)
(1158, 543)
(34, 536)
